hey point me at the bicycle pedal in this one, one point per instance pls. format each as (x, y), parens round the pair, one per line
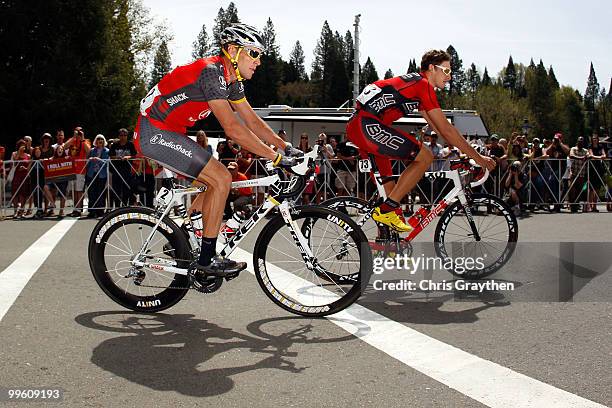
(231, 276)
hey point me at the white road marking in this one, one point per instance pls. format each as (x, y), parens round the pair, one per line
(17, 275)
(489, 383)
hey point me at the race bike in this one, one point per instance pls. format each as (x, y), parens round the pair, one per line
(308, 260)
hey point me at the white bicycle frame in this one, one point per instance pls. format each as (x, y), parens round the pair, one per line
(176, 199)
(456, 192)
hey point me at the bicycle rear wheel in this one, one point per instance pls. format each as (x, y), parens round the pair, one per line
(117, 238)
(339, 249)
(455, 242)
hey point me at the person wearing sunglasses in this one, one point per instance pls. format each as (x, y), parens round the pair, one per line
(385, 101)
(190, 93)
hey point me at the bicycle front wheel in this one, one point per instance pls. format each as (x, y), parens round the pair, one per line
(339, 248)
(464, 254)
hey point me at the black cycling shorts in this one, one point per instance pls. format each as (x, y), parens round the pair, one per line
(173, 150)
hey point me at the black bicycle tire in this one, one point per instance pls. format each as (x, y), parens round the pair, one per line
(276, 223)
(455, 208)
(147, 304)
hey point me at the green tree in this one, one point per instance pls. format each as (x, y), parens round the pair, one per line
(553, 79)
(224, 18)
(297, 70)
(509, 76)
(473, 79)
(412, 67)
(501, 112)
(457, 82)
(486, 79)
(349, 57)
(202, 45)
(540, 99)
(590, 99)
(329, 72)
(299, 94)
(388, 74)
(262, 89)
(368, 74)
(162, 63)
(569, 113)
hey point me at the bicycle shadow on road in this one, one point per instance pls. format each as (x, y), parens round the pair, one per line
(426, 308)
(174, 352)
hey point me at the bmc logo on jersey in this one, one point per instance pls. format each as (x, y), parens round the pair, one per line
(383, 137)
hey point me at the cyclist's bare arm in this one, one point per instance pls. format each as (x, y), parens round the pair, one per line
(237, 131)
(257, 125)
(437, 120)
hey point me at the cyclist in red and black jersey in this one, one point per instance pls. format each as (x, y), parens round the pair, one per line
(191, 92)
(383, 102)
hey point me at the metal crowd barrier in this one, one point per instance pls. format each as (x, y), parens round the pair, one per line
(549, 182)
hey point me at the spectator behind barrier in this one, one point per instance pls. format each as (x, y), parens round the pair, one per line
(20, 185)
(597, 172)
(578, 170)
(515, 183)
(97, 177)
(121, 152)
(79, 148)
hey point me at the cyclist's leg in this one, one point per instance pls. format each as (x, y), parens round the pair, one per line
(182, 155)
(412, 174)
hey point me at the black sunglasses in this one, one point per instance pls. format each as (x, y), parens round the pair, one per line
(253, 53)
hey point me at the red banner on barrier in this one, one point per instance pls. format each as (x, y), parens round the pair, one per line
(55, 168)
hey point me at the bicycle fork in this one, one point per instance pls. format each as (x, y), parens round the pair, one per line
(466, 204)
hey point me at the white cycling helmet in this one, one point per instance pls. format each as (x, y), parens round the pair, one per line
(243, 35)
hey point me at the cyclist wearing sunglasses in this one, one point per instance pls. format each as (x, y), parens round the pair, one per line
(190, 93)
(385, 101)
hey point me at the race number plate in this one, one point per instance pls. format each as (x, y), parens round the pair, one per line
(365, 166)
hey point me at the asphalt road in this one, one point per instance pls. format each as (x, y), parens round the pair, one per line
(236, 348)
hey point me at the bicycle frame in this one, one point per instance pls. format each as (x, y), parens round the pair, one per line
(176, 199)
(423, 220)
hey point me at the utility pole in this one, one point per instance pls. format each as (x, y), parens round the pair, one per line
(356, 60)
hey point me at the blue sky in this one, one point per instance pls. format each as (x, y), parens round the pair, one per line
(566, 34)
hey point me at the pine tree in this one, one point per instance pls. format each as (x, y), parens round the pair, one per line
(553, 79)
(202, 45)
(592, 90)
(486, 79)
(540, 100)
(329, 72)
(509, 77)
(224, 18)
(457, 82)
(473, 78)
(568, 113)
(389, 74)
(262, 89)
(162, 63)
(231, 14)
(268, 35)
(368, 74)
(590, 99)
(412, 67)
(297, 71)
(349, 58)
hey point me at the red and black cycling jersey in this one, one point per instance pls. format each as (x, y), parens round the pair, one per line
(181, 97)
(393, 98)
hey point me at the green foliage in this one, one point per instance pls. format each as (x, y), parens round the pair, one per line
(389, 74)
(262, 89)
(162, 64)
(224, 18)
(568, 113)
(202, 45)
(329, 71)
(473, 79)
(486, 79)
(509, 76)
(296, 70)
(368, 74)
(299, 94)
(458, 82)
(412, 67)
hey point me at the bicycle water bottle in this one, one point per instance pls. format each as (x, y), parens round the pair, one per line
(231, 226)
(415, 220)
(196, 221)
